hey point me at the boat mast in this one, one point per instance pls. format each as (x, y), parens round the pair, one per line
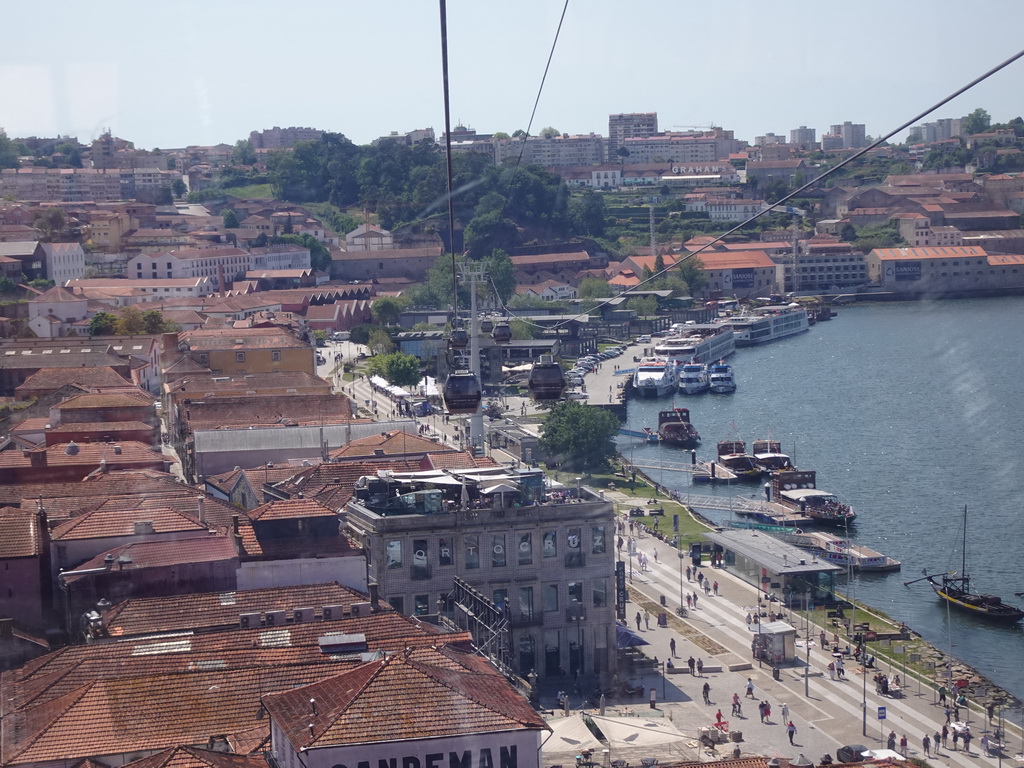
(963, 561)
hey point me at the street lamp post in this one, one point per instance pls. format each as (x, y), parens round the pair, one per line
(807, 643)
(681, 556)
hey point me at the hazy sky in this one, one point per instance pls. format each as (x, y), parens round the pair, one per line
(172, 74)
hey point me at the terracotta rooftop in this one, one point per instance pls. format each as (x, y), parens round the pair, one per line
(158, 554)
(241, 384)
(241, 339)
(55, 378)
(219, 609)
(139, 481)
(256, 476)
(242, 410)
(20, 533)
(736, 259)
(127, 399)
(548, 258)
(393, 443)
(332, 484)
(416, 694)
(290, 509)
(122, 454)
(100, 427)
(112, 523)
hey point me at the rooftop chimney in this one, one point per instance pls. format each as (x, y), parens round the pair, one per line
(200, 501)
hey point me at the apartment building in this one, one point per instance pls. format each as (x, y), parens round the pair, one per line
(231, 263)
(627, 126)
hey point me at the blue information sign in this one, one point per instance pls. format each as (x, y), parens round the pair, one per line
(881, 713)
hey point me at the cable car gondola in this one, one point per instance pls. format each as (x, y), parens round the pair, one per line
(462, 393)
(547, 381)
(502, 333)
(459, 338)
(486, 325)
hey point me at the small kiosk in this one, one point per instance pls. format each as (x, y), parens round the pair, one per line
(775, 643)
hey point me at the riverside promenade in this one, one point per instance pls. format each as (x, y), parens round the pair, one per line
(827, 713)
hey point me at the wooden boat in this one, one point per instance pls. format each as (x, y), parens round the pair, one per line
(769, 458)
(733, 455)
(674, 428)
(956, 590)
(798, 488)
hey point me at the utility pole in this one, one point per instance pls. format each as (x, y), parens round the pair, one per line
(473, 272)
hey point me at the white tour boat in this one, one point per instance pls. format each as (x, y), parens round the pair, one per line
(693, 379)
(766, 324)
(720, 378)
(654, 377)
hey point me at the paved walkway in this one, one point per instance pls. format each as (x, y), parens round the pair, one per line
(827, 716)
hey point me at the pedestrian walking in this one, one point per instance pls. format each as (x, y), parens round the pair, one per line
(942, 695)
(690, 662)
(891, 741)
(991, 709)
(767, 712)
(638, 619)
(706, 690)
(784, 712)
(831, 670)
(700, 667)
(687, 573)
(791, 731)
(694, 599)
(984, 744)
(967, 741)
(956, 738)
(716, 589)
(700, 578)
(707, 587)
(926, 744)
(750, 688)
(735, 705)
(948, 712)
(689, 601)
(936, 740)
(672, 647)
(750, 620)
(655, 555)
(824, 640)
(945, 735)
(647, 620)
(760, 710)
(903, 745)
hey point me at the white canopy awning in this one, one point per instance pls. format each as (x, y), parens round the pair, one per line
(569, 735)
(499, 488)
(638, 731)
(379, 381)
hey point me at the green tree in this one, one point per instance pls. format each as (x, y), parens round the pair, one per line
(103, 324)
(8, 152)
(587, 214)
(320, 257)
(579, 436)
(386, 310)
(153, 322)
(398, 368)
(522, 330)
(243, 153)
(51, 221)
(230, 219)
(976, 122)
(548, 132)
(593, 288)
(130, 322)
(178, 188)
(502, 274)
(380, 342)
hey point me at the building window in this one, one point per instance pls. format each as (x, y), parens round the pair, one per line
(422, 605)
(550, 598)
(498, 558)
(398, 603)
(203, 358)
(500, 599)
(600, 592)
(526, 603)
(239, 357)
(275, 355)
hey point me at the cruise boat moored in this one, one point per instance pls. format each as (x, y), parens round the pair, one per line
(768, 324)
(654, 377)
(693, 379)
(720, 378)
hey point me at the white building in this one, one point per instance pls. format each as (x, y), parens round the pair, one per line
(64, 261)
(142, 288)
(51, 314)
(369, 237)
(189, 263)
(281, 256)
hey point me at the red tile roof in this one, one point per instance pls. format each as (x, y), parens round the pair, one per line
(220, 609)
(194, 757)
(415, 694)
(20, 533)
(394, 443)
(290, 509)
(55, 378)
(125, 399)
(111, 523)
(159, 554)
(122, 454)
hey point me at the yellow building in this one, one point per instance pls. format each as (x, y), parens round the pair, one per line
(231, 351)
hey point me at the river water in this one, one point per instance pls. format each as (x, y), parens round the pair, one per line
(909, 412)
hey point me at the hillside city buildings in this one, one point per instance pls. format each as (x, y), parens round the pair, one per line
(205, 508)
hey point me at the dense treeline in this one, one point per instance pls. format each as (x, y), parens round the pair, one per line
(499, 207)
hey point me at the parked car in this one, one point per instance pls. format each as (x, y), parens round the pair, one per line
(851, 753)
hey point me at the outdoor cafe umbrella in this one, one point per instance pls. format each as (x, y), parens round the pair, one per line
(627, 638)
